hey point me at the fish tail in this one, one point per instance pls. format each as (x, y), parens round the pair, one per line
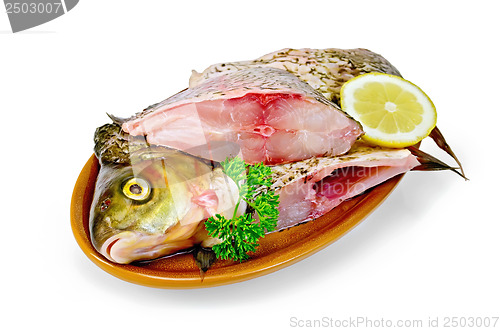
(438, 138)
(116, 119)
(204, 258)
(430, 163)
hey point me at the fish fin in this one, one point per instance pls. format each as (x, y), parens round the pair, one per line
(116, 119)
(430, 163)
(195, 78)
(206, 199)
(111, 145)
(217, 151)
(204, 258)
(438, 138)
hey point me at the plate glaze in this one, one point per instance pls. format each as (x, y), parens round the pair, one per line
(276, 250)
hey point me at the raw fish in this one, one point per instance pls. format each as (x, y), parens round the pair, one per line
(152, 201)
(311, 188)
(272, 115)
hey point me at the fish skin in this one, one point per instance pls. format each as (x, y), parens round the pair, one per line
(113, 145)
(257, 131)
(236, 84)
(326, 70)
(285, 174)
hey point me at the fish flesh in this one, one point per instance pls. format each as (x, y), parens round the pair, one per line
(272, 115)
(326, 70)
(152, 201)
(310, 188)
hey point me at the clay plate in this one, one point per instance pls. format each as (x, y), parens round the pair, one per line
(276, 250)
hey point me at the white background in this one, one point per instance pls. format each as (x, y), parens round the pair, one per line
(431, 250)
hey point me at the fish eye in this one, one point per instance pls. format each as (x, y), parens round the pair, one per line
(136, 189)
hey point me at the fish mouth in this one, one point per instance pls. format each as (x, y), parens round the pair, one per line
(128, 246)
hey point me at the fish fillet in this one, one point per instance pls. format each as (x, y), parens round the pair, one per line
(310, 188)
(271, 114)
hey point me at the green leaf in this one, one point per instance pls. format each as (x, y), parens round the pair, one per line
(266, 206)
(234, 169)
(240, 235)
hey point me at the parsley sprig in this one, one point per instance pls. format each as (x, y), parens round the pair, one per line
(240, 234)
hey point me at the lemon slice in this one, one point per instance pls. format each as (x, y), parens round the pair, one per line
(392, 111)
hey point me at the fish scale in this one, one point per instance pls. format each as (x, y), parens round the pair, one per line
(237, 84)
(326, 70)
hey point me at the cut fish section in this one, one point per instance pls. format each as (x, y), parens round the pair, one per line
(310, 188)
(272, 115)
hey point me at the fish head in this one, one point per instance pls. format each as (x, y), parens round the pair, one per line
(138, 209)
